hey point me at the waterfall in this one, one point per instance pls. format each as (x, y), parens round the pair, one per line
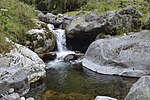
(60, 38)
(62, 50)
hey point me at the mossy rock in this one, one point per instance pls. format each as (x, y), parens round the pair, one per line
(40, 40)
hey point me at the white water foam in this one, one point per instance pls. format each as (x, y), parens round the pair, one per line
(61, 44)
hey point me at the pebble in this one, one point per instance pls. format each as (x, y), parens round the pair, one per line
(11, 90)
(22, 98)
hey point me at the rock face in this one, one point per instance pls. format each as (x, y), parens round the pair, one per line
(140, 90)
(83, 30)
(124, 55)
(40, 40)
(21, 58)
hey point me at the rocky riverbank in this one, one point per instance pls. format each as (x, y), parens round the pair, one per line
(110, 40)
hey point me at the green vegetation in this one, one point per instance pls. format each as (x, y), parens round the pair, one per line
(106, 5)
(56, 6)
(15, 19)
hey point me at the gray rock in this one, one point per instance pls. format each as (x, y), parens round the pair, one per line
(56, 20)
(13, 96)
(104, 98)
(47, 56)
(23, 58)
(11, 90)
(13, 79)
(41, 16)
(40, 40)
(79, 27)
(22, 98)
(125, 55)
(140, 90)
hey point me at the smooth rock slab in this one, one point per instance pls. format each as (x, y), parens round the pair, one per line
(125, 55)
(140, 90)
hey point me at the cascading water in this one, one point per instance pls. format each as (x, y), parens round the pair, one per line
(62, 50)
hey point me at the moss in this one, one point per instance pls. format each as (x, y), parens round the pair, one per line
(15, 19)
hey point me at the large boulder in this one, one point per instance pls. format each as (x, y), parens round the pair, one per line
(125, 55)
(83, 30)
(12, 78)
(40, 40)
(23, 58)
(140, 90)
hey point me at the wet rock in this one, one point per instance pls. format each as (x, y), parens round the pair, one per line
(73, 57)
(22, 58)
(47, 56)
(104, 98)
(140, 90)
(40, 40)
(76, 60)
(124, 55)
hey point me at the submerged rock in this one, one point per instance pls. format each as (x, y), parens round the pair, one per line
(140, 90)
(53, 95)
(125, 55)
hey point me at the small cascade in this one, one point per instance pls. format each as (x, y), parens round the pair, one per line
(62, 50)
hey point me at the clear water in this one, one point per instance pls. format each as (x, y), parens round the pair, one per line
(63, 82)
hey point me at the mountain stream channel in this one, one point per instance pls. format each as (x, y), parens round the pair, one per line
(64, 82)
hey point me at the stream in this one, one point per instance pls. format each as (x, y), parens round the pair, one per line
(64, 82)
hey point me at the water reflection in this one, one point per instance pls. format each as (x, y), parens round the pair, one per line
(63, 79)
